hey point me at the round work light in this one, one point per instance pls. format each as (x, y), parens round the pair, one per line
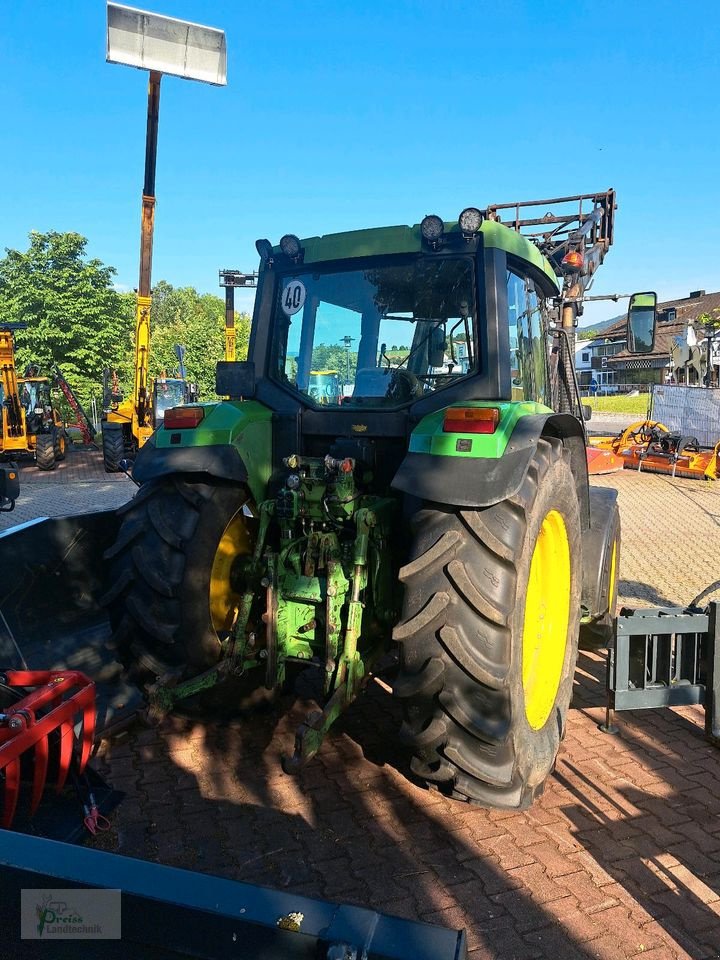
(432, 228)
(470, 220)
(290, 246)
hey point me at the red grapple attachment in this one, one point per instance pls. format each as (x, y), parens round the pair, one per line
(42, 725)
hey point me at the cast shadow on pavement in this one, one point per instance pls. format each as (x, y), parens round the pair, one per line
(353, 827)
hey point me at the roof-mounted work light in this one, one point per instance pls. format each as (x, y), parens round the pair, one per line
(470, 221)
(161, 45)
(290, 246)
(432, 229)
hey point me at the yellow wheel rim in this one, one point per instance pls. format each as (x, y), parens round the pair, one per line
(234, 542)
(547, 612)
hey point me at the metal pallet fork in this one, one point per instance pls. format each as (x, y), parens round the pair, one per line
(665, 657)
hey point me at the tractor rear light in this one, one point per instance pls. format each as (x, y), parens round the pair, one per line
(471, 420)
(179, 417)
(573, 260)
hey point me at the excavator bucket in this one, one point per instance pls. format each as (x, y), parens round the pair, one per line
(49, 727)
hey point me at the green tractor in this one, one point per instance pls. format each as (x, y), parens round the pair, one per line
(443, 509)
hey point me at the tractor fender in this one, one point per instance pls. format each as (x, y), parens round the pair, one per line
(597, 551)
(221, 460)
(482, 481)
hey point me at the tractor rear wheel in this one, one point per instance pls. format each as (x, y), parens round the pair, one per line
(45, 451)
(175, 574)
(489, 634)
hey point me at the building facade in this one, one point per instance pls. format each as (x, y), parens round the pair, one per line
(604, 364)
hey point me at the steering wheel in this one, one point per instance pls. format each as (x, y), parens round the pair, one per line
(403, 386)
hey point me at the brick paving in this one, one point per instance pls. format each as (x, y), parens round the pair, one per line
(78, 484)
(619, 858)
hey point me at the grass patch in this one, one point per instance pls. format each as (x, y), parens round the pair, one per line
(619, 404)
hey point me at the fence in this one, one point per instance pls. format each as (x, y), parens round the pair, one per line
(614, 389)
(692, 411)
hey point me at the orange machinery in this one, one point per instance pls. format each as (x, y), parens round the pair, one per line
(648, 445)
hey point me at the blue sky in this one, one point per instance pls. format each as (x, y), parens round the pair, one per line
(340, 116)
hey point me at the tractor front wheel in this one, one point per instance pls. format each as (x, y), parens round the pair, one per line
(489, 637)
(175, 573)
(45, 451)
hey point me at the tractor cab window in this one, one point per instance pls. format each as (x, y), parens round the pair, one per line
(29, 398)
(528, 348)
(382, 336)
(168, 393)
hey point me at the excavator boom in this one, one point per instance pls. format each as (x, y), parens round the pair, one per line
(13, 416)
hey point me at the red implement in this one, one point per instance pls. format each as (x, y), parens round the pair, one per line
(55, 721)
(603, 461)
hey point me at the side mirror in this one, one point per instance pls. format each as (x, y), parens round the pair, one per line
(437, 347)
(641, 322)
(235, 379)
(586, 412)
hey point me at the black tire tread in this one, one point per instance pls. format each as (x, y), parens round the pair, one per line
(45, 451)
(160, 564)
(457, 672)
(113, 448)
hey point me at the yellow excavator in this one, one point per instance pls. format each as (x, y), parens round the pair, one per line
(127, 424)
(31, 424)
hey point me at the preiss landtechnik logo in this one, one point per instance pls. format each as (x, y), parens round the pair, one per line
(80, 914)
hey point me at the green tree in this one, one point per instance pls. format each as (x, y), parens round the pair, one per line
(710, 321)
(334, 357)
(74, 316)
(181, 315)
